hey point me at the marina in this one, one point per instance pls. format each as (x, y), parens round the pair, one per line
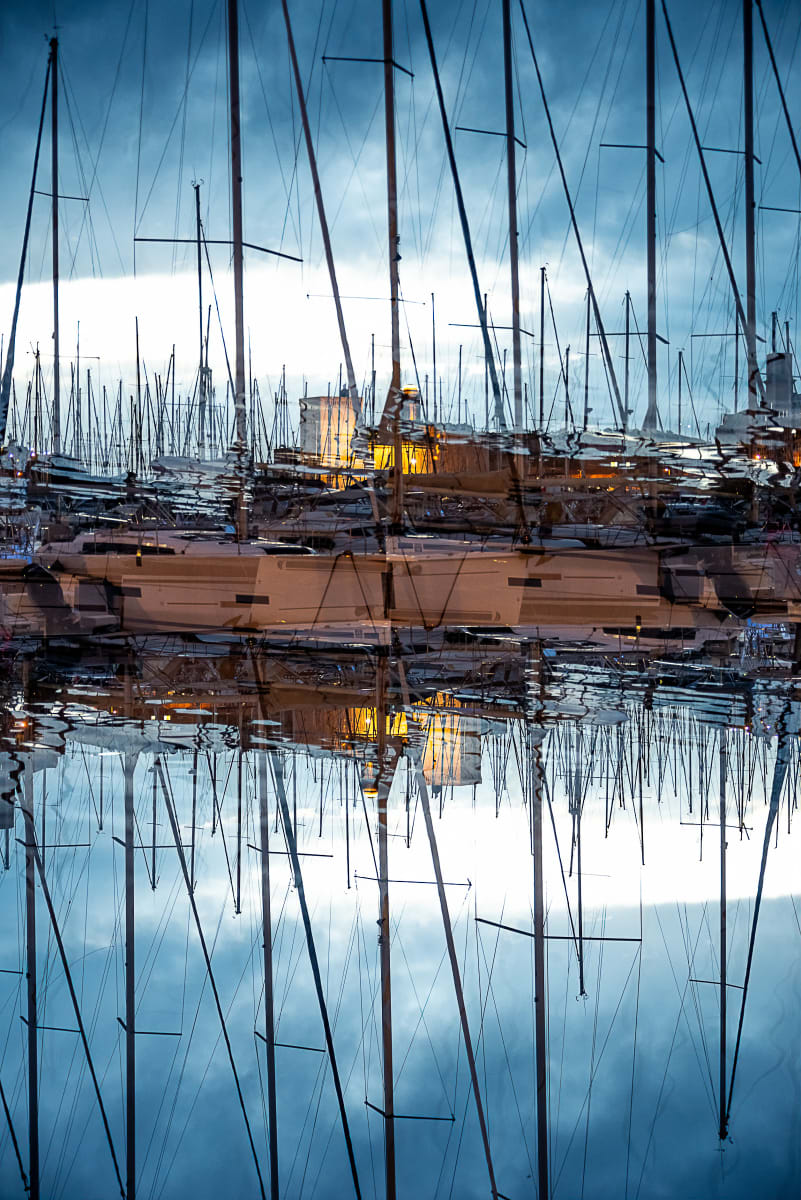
(400, 642)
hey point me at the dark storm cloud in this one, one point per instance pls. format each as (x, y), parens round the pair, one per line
(592, 61)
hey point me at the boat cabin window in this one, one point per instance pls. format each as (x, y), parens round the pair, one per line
(98, 547)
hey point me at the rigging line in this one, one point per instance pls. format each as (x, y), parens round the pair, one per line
(779, 773)
(592, 1057)
(482, 315)
(457, 982)
(355, 157)
(220, 826)
(14, 1138)
(366, 1043)
(481, 1039)
(710, 193)
(278, 779)
(411, 343)
(598, 319)
(176, 833)
(421, 1019)
(465, 72)
(139, 140)
(31, 837)
(691, 958)
(180, 172)
(71, 888)
(352, 940)
(602, 37)
(79, 1140)
(288, 213)
(604, 85)
(790, 129)
(95, 160)
(212, 1053)
(329, 254)
(219, 318)
(661, 1090)
(595, 1072)
(87, 214)
(172, 126)
(5, 387)
(561, 863)
(416, 137)
(491, 992)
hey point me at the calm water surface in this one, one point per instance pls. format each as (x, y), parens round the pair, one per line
(615, 916)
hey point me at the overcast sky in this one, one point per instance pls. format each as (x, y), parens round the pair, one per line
(144, 114)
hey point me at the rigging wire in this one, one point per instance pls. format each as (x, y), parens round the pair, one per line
(139, 137)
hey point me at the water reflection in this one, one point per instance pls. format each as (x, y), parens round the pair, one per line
(532, 924)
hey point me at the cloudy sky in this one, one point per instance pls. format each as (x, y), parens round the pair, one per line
(144, 115)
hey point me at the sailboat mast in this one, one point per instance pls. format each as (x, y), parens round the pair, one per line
(129, 764)
(236, 211)
(723, 1127)
(511, 174)
(30, 972)
(385, 936)
(542, 350)
(750, 252)
(535, 758)
(54, 198)
(392, 409)
(269, 1015)
(587, 364)
(650, 172)
(8, 366)
(201, 375)
(392, 201)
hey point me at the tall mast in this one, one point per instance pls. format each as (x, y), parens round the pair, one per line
(267, 935)
(539, 968)
(54, 186)
(30, 972)
(627, 356)
(385, 775)
(236, 210)
(650, 172)
(393, 399)
(511, 174)
(750, 255)
(723, 1124)
(8, 367)
(201, 375)
(587, 364)
(542, 350)
(392, 408)
(129, 764)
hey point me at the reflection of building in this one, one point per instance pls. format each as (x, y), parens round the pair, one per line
(327, 425)
(452, 754)
(452, 741)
